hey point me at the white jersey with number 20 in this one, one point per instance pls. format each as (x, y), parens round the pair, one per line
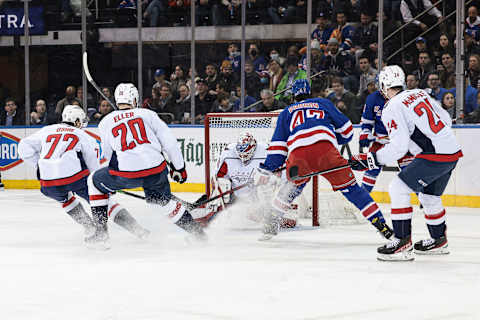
(417, 123)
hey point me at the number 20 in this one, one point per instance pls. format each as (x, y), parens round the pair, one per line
(122, 129)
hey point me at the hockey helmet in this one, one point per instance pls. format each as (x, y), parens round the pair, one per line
(246, 146)
(301, 87)
(72, 113)
(126, 93)
(391, 77)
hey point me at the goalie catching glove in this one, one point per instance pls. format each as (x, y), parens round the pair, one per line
(364, 161)
(178, 175)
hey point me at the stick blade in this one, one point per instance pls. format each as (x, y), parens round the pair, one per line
(85, 67)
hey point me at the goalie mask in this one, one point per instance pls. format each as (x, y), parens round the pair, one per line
(246, 147)
(126, 93)
(72, 114)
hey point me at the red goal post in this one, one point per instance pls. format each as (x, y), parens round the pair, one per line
(222, 129)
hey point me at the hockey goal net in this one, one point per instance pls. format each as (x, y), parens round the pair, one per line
(317, 202)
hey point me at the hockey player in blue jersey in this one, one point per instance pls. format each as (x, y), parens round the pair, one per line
(374, 136)
(309, 132)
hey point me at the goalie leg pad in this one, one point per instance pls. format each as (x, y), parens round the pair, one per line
(285, 196)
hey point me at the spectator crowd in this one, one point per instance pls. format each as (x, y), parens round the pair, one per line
(344, 47)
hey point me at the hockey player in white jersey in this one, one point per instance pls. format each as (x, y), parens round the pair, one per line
(415, 123)
(63, 155)
(133, 140)
(235, 168)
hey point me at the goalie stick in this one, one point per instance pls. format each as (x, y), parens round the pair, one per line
(294, 172)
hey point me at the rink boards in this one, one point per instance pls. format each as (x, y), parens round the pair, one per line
(463, 189)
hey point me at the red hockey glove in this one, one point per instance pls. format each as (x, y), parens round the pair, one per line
(364, 161)
(179, 175)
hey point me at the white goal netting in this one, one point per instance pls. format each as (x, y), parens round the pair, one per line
(317, 202)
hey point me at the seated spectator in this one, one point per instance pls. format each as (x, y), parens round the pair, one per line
(340, 63)
(470, 98)
(234, 56)
(364, 38)
(343, 31)
(108, 93)
(293, 73)
(275, 55)
(433, 86)
(371, 88)
(204, 13)
(472, 22)
(12, 115)
(447, 73)
(282, 11)
(153, 101)
(156, 12)
(103, 109)
(473, 70)
(203, 100)
(425, 67)
(351, 109)
(474, 116)
(69, 98)
(177, 78)
(471, 43)
(252, 80)
(223, 103)
(421, 46)
(227, 77)
(90, 99)
(444, 45)
(276, 74)
(315, 57)
(160, 78)
(231, 96)
(323, 31)
(179, 12)
(366, 73)
(293, 51)
(126, 13)
(39, 116)
(248, 101)
(269, 103)
(166, 105)
(211, 77)
(412, 82)
(183, 104)
(257, 59)
(448, 103)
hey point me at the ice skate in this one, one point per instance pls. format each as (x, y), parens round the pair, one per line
(270, 228)
(100, 240)
(432, 246)
(396, 250)
(383, 228)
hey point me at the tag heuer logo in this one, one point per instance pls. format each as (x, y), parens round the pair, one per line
(8, 151)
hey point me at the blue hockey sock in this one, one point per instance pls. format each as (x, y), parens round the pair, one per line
(402, 228)
(363, 201)
(369, 179)
(437, 231)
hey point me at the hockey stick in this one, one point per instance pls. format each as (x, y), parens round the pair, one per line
(190, 206)
(294, 172)
(92, 82)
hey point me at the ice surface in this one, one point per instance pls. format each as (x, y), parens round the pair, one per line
(47, 273)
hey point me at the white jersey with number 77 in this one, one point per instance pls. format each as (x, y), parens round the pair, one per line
(417, 123)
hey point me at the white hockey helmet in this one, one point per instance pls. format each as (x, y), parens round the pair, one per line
(126, 93)
(246, 146)
(390, 77)
(72, 113)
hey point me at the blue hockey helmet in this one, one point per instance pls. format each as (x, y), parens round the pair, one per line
(301, 87)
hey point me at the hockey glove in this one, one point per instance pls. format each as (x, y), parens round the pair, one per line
(179, 175)
(262, 176)
(364, 140)
(364, 161)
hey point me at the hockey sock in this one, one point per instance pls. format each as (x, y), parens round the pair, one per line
(402, 222)
(100, 215)
(363, 201)
(437, 231)
(80, 216)
(125, 220)
(369, 179)
(187, 223)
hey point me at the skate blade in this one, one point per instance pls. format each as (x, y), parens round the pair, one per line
(434, 252)
(266, 237)
(401, 256)
(99, 246)
(143, 235)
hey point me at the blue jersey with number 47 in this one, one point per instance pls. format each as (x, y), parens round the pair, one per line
(305, 123)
